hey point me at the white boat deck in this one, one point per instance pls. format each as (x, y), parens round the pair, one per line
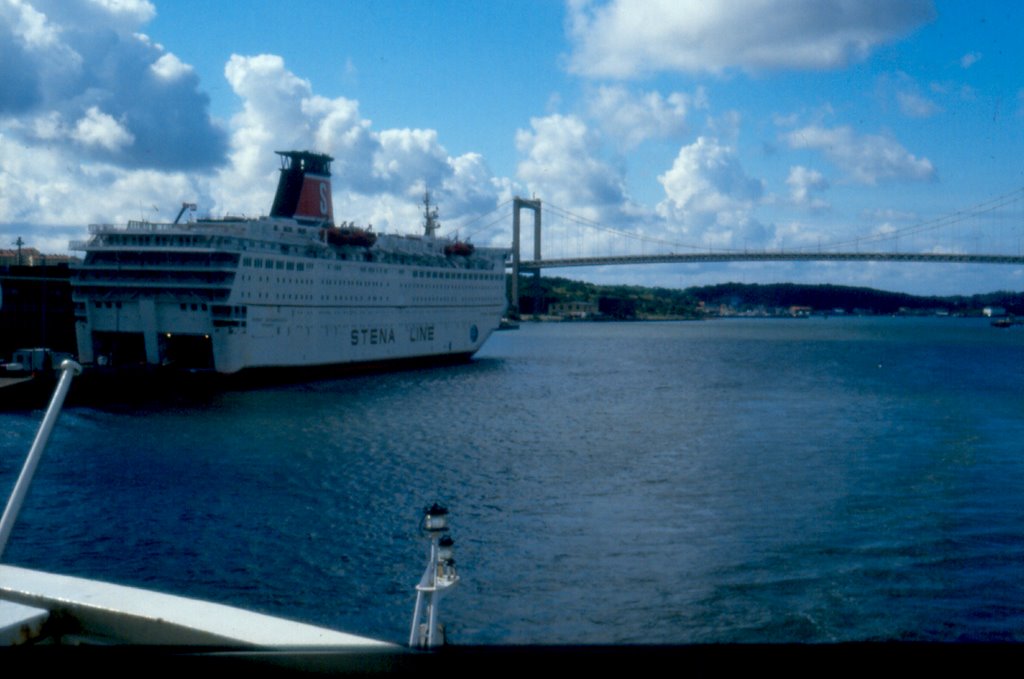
(45, 607)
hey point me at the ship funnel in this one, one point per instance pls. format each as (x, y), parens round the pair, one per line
(304, 189)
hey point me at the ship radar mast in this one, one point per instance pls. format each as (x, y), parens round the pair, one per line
(430, 223)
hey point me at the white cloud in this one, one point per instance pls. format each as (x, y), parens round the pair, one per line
(467, 190)
(62, 60)
(170, 67)
(380, 176)
(350, 137)
(139, 11)
(909, 95)
(407, 158)
(48, 127)
(889, 214)
(634, 118)
(710, 199)
(560, 164)
(472, 185)
(29, 25)
(63, 169)
(796, 234)
(271, 119)
(350, 72)
(867, 158)
(621, 39)
(56, 193)
(916, 106)
(99, 129)
(725, 126)
(804, 185)
(970, 59)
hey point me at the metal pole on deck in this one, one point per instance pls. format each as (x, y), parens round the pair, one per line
(68, 369)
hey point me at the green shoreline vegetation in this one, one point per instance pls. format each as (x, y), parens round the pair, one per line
(631, 302)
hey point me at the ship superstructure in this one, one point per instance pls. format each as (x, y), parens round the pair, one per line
(288, 290)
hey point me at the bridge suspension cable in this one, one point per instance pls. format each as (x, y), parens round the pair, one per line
(590, 223)
(985, 207)
(503, 216)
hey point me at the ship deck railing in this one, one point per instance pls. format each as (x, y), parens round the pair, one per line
(141, 226)
(168, 264)
(134, 225)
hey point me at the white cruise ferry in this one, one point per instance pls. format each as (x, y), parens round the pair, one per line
(290, 290)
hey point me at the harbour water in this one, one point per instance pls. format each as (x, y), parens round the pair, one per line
(731, 481)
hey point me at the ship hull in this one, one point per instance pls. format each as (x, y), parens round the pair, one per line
(169, 333)
(107, 386)
(230, 310)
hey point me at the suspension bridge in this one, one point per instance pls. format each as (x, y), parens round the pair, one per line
(989, 233)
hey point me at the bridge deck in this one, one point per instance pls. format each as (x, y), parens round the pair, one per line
(772, 257)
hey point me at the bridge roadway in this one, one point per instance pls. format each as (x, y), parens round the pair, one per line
(698, 257)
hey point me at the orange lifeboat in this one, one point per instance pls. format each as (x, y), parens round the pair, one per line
(351, 236)
(459, 249)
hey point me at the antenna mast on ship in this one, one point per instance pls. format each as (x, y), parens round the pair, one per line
(430, 223)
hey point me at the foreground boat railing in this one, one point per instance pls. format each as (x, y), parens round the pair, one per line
(69, 369)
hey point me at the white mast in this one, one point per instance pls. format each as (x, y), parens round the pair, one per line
(438, 578)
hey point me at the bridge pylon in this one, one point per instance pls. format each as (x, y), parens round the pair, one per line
(517, 205)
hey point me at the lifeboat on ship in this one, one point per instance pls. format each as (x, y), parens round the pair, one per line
(459, 249)
(352, 236)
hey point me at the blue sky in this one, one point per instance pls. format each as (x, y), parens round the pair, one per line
(750, 124)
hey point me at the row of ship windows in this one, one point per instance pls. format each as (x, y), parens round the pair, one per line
(460, 300)
(258, 263)
(194, 306)
(180, 241)
(364, 298)
(274, 264)
(277, 296)
(299, 298)
(223, 310)
(339, 282)
(358, 283)
(457, 275)
(309, 281)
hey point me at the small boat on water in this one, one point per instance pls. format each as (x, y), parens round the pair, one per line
(27, 380)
